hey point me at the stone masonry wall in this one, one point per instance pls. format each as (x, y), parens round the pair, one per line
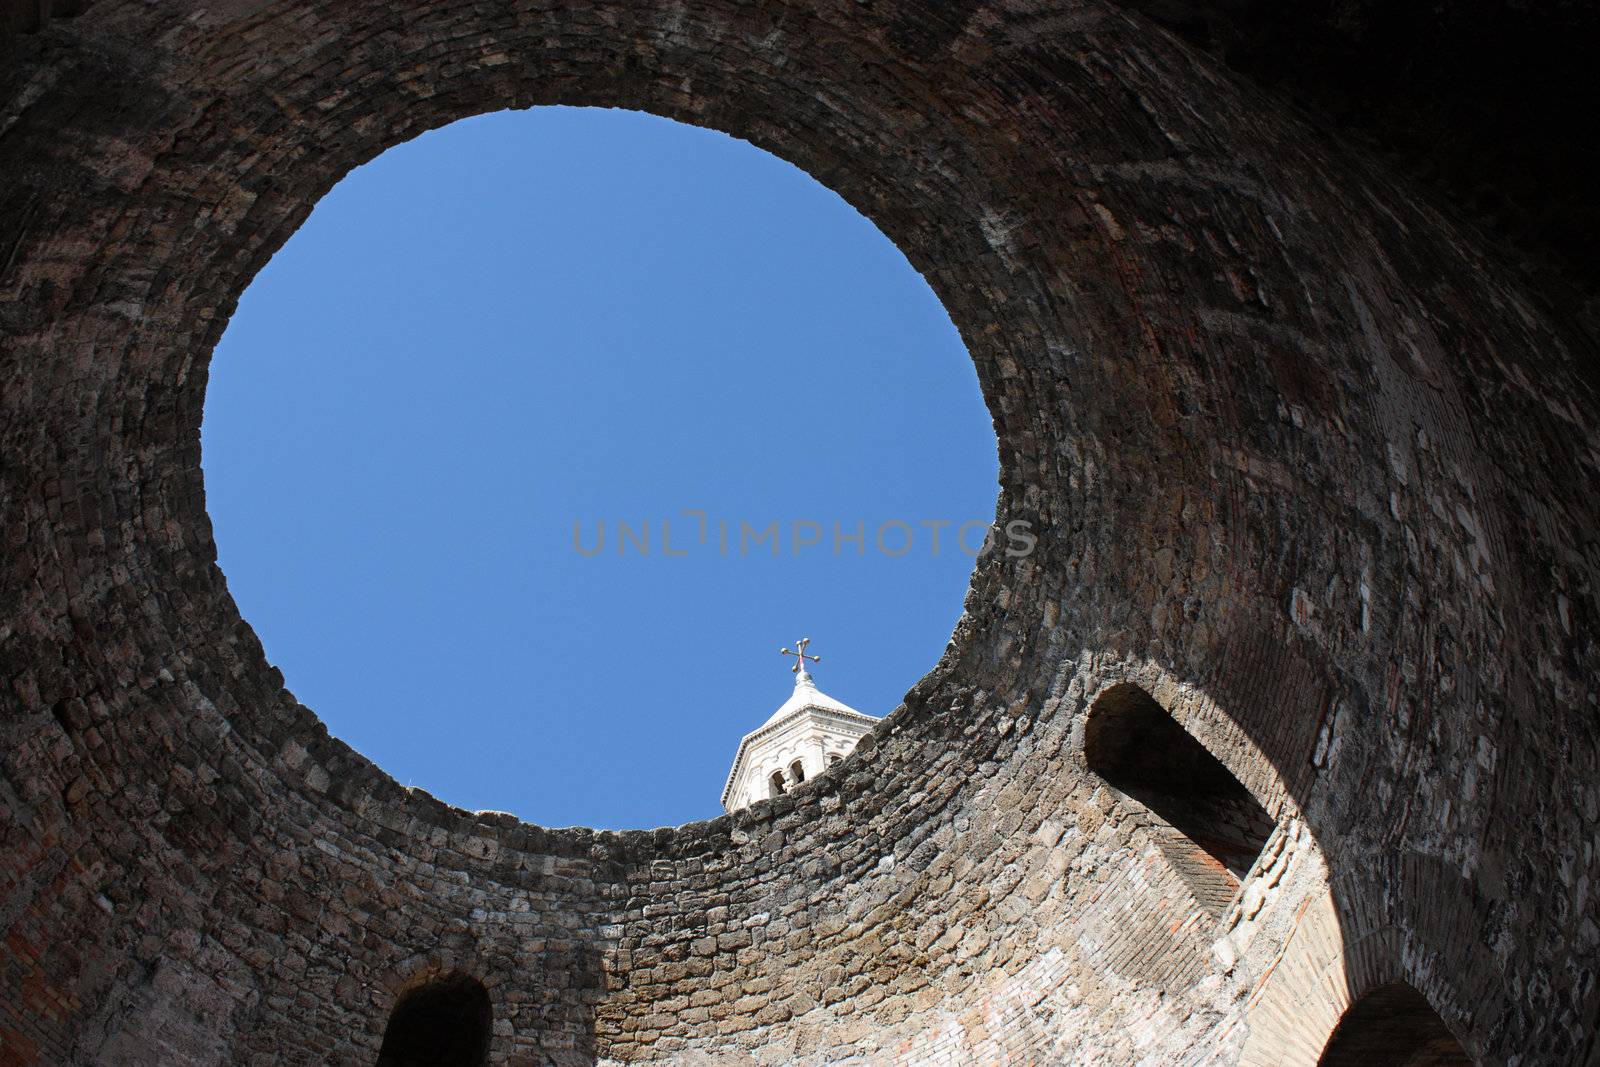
(1309, 468)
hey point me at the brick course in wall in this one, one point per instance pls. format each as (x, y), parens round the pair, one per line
(1308, 466)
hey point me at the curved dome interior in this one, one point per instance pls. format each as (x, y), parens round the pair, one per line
(1313, 472)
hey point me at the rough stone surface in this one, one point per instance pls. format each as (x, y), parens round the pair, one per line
(1309, 467)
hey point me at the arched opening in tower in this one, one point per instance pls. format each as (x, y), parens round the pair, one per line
(1207, 824)
(442, 1023)
(1393, 1026)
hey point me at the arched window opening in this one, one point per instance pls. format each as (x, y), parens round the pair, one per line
(1393, 1026)
(776, 784)
(1206, 822)
(797, 773)
(833, 759)
(442, 1023)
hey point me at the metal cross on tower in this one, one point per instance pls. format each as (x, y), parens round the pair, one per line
(800, 655)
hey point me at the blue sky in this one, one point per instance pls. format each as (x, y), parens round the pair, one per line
(530, 320)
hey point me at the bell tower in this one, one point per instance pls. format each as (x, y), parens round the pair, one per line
(809, 733)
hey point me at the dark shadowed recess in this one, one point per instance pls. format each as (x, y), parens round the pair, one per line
(1393, 1026)
(1208, 824)
(1474, 99)
(444, 1022)
(28, 16)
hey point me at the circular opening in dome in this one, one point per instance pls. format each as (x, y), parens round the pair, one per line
(529, 450)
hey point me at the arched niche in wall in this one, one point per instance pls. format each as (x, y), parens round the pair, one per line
(1207, 824)
(1393, 1025)
(443, 1022)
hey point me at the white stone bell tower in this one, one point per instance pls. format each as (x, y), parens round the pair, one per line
(809, 733)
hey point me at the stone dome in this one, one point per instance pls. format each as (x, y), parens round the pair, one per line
(1282, 742)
